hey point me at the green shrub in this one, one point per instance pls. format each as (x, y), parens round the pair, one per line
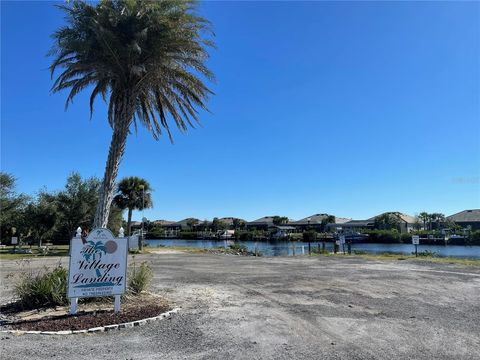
(155, 232)
(139, 279)
(384, 237)
(189, 235)
(239, 248)
(474, 238)
(243, 235)
(316, 250)
(45, 289)
(309, 236)
(427, 253)
(360, 252)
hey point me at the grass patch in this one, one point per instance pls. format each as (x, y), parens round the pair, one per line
(428, 258)
(6, 253)
(235, 249)
(317, 251)
(48, 288)
(45, 289)
(139, 278)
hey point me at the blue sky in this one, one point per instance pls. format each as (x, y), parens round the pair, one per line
(345, 108)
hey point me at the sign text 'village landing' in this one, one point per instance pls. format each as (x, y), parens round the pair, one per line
(98, 265)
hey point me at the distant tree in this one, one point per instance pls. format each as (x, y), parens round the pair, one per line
(115, 219)
(452, 225)
(280, 220)
(75, 205)
(417, 225)
(52, 215)
(438, 219)
(238, 223)
(424, 216)
(191, 222)
(387, 221)
(12, 206)
(133, 193)
(40, 219)
(329, 219)
(222, 225)
(218, 224)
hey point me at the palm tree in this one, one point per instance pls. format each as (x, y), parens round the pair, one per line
(438, 218)
(145, 58)
(329, 219)
(133, 193)
(424, 216)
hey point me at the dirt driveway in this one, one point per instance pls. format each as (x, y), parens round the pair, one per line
(285, 308)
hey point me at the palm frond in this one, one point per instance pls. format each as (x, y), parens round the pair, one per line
(150, 54)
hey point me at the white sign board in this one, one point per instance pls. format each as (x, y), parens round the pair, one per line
(133, 242)
(14, 240)
(98, 265)
(342, 239)
(416, 240)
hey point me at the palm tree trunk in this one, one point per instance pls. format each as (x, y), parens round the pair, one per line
(123, 119)
(129, 222)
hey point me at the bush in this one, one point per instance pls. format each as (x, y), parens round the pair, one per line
(189, 235)
(45, 289)
(309, 236)
(239, 248)
(426, 253)
(360, 252)
(385, 237)
(474, 238)
(139, 279)
(243, 235)
(316, 250)
(155, 232)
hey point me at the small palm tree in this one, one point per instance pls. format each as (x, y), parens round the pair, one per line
(329, 219)
(424, 216)
(133, 193)
(145, 58)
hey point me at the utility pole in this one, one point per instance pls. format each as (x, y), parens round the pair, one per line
(143, 217)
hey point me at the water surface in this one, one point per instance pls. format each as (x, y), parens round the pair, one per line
(286, 248)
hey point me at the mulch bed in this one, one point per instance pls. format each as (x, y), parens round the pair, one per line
(84, 320)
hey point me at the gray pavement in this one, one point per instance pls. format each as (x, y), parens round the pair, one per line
(284, 308)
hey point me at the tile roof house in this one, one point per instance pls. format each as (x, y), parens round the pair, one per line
(315, 219)
(316, 222)
(183, 224)
(229, 220)
(163, 222)
(263, 223)
(406, 223)
(467, 218)
(353, 226)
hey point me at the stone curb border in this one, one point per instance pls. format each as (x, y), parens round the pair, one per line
(126, 325)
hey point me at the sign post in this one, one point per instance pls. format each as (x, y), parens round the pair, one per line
(342, 242)
(416, 242)
(14, 243)
(98, 267)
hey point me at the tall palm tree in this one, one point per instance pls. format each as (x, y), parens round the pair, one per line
(145, 58)
(133, 193)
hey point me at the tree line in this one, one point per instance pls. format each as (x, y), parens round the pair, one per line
(51, 215)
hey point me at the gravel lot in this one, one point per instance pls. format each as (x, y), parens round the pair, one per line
(284, 308)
